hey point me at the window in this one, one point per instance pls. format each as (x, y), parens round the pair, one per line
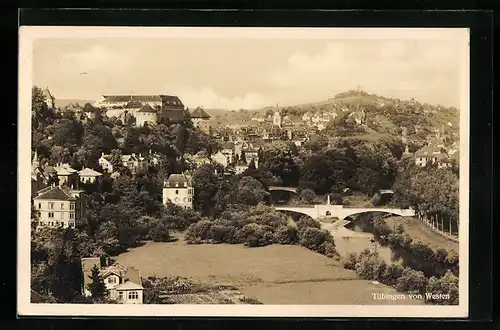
(112, 279)
(71, 224)
(120, 295)
(62, 206)
(51, 205)
(177, 192)
(133, 295)
(72, 215)
(39, 205)
(51, 214)
(72, 206)
(62, 215)
(190, 199)
(52, 223)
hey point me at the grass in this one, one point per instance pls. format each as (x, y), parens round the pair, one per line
(276, 274)
(419, 231)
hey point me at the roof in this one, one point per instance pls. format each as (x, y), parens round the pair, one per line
(133, 105)
(199, 113)
(65, 171)
(147, 108)
(171, 100)
(128, 286)
(89, 172)
(126, 158)
(425, 152)
(179, 179)
(125, 98)
(56, 193)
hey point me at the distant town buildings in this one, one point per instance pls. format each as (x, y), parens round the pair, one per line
(178, 189)
(159, 107)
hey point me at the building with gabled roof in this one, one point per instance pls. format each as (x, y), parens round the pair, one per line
(60, 206)
(146, 114)
(178, 189)
(200, 119)
(88, 175)
(124, 284)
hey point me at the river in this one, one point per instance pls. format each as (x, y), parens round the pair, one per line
(357, 236)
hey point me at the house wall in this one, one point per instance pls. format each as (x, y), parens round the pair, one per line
(106, 165)
(111, 281)
(54, 213)
(181, 196)
(145, 117)
(88, 179)
(126, 296)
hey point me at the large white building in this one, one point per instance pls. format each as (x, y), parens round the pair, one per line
(178, 189)
(60, 207)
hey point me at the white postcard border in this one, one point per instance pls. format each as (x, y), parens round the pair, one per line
(28, 34)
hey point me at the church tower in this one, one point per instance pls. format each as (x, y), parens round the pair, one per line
(277, 120)
(35, 163)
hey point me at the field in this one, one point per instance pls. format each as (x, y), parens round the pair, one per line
(418, 231)
(275, 274)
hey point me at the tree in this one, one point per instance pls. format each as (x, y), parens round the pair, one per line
(160, 233)
(251, 191)
(97, 287)
(307, 196)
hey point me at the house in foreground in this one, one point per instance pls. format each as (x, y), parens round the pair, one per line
(124, 284)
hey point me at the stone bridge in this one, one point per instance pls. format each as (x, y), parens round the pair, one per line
(276, 188)
(338, 211)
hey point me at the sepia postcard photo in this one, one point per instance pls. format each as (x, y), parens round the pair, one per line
(278, 172)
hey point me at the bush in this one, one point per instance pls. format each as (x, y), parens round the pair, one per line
(222, 234)
(286, 235)
(349, 262)
(199, 232)
(251, 235)
(307, 222)
(445, 289)
(391, 274)
(441, 255)
(307, 196)
(452, 258)
(421, 250)
(327, 248)
(160, 233)
(313, 239)
(411, 281)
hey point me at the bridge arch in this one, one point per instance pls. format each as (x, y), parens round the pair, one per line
(312, 213)
(289, 189)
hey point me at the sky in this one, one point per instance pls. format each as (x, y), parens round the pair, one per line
(234, 72)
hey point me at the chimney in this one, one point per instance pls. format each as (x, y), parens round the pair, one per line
(328, 199)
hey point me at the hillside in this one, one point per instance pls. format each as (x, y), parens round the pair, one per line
(384, 116)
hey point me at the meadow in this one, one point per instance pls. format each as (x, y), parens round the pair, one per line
(276, 274)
